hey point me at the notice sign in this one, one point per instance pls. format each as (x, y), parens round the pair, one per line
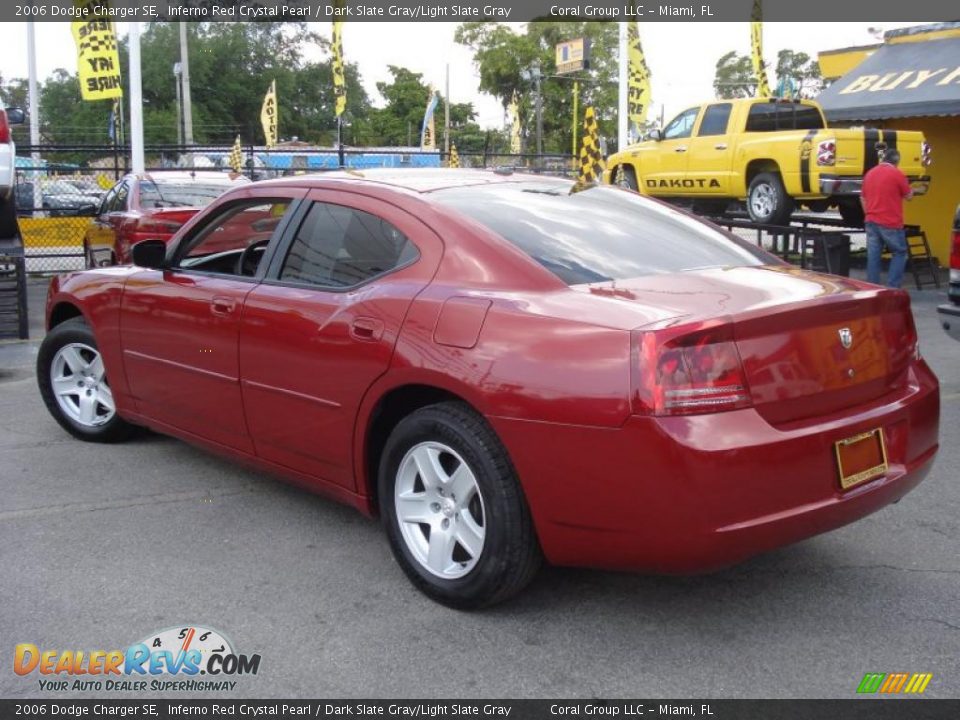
(573, 55)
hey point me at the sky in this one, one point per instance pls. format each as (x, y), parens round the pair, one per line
(681, 56)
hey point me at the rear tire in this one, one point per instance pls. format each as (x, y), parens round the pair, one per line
(767, 200)
(453, 510)
(852, 213)
(74, 387)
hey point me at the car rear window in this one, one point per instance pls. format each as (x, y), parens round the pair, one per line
(165, 193)
(599, 234)
(770, 117)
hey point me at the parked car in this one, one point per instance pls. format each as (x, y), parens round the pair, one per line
(150, 206)
(70, 196)
(773, 153)
(8, 153)
(950, 312)
(504, 368)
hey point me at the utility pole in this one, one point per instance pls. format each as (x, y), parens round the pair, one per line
(446, 118)
(622, 97)
(533, 73)
(177, 68)
(136, 101)
(34, 110)
(185, 80)
(576, 98)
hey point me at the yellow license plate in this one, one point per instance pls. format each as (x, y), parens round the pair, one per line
(861, 457)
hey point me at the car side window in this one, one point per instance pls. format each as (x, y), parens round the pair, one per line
(715, 119)
(682, 125)
(233, 242)
(339, 247)
(107, 204)
(120, 199)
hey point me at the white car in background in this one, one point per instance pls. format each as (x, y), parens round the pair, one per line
(8, 151)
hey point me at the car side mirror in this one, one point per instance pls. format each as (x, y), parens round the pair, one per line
(655, 135)
(150, 254)
(16, 116)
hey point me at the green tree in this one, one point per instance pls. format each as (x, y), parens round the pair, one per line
(502, 55)
(801, 70)
(734, 77)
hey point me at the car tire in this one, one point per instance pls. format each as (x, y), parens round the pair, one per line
(626, 177)
(466, 553)
(74, 386)
(767, 200)
(852, 213)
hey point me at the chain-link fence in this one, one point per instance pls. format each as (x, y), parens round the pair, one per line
(60, 189)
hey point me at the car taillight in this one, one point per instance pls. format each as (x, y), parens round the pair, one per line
(827, 152)
(148, 225)
(4, 127)
(926, 153)
(686, 374)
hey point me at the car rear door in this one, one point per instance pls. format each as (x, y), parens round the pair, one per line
(321, 328)
(180, 326)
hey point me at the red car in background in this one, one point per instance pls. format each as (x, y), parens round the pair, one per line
(152, 206)
(504, 368)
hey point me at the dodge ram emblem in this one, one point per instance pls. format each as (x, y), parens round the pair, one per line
(846, 337)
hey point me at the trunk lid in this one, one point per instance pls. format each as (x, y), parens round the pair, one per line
(811, 345)
(857, 150)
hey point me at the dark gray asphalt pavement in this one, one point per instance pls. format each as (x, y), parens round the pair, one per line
(101, 546)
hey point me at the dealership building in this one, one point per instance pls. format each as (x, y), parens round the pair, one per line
(909, 82)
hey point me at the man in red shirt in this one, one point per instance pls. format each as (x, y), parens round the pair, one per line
(884, 189)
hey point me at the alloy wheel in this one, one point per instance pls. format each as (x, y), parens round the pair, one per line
(79, 384)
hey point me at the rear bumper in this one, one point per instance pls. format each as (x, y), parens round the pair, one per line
(950, 319)
(840, 185)
(693, 494)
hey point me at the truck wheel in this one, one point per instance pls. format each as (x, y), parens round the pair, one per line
(626, 177)
(767, 200)
(851, 212)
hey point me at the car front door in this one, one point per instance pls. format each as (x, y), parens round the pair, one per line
(180, 325)
(321, 328)
(672, 155)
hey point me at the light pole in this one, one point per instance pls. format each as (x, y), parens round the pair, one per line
(185, 68)
(533, 73)
(176, 75)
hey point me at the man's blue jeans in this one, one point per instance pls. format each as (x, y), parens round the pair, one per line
(896, 241)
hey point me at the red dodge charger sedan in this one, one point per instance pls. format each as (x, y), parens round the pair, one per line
(505, 368)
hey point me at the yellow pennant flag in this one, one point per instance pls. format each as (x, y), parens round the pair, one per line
(591, 161)
(98, 63)
(269, 115)
(236, 156)
(638, 78)
(339, 77)
(756, 41)
(514, 110)
(454, 157)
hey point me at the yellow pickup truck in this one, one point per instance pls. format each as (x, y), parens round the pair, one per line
(775, 154)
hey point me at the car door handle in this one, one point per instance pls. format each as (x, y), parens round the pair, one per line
(682, 148)
(222, 305)
(366, 328)
(720, 146)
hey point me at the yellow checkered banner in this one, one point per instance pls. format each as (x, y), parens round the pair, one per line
(339, 77)
(454, 157)
(514, 110)
(98, 62)
(236, 156)
(756, 41)
(269, 115)
(638, 78)
(591, 161)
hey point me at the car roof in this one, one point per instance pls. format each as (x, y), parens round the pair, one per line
(419, 180)
(190, 176)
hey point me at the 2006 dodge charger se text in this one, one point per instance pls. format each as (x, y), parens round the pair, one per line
(505, 368)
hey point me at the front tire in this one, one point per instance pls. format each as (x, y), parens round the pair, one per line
(626, 177)
(767, 200)
(453, 510)
(74, 387)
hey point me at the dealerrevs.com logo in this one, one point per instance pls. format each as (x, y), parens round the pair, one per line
(187, 658)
